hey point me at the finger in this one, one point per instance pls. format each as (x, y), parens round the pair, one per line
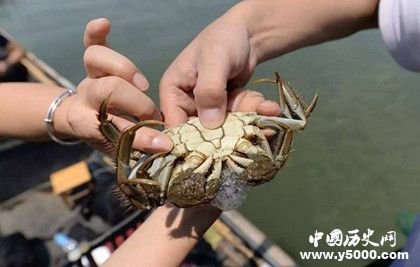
(176, 105)
(123, 97)
(101, 61)
(175, 117)
(210, 91)
(147, 140)
(175, 91)
(244, 100)
(268, 108)
(96, 32)
(251, 101)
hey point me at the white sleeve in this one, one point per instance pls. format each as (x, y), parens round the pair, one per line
(399, 21)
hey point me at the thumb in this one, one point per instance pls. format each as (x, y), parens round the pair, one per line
(210, 91)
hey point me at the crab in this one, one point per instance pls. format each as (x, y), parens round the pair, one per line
(191, 173)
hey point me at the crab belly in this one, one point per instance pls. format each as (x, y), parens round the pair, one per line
(196, 183)
(192, 183)
(213, 181)
(205, 170)
(189, 190)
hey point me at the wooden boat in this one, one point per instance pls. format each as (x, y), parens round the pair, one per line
(232, 240)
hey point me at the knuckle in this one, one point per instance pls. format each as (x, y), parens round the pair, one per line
(111, 83)
(125, 69)
(104, 86)
(214, 46)
(83, 85)
(125, 66)
(190, 76)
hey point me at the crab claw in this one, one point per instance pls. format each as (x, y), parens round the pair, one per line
(141, 191)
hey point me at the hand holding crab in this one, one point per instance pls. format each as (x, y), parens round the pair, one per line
(192, 173)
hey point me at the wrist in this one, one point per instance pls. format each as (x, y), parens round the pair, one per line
(269, 35)
(62, 128)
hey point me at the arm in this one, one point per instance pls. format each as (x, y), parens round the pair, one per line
(23, 107)
(278, 27)
(165, 238)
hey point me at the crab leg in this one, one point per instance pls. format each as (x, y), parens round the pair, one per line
(164, 181)
(139, 169)
(295, 103)
(123, 169)
(133, 172)
(285, 140)
(139, 190)
(163, 168)
(106, 127)
(290, 104)
(286, 144)
(282, 103)
(246, 147)
(148, 162)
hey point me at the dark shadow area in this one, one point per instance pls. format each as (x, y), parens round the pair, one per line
(381, 262)
(30, 164)
(18, 251)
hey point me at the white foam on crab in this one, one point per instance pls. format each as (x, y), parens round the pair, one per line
(232, 192)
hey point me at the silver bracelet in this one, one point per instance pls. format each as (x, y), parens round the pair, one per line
(49, 123)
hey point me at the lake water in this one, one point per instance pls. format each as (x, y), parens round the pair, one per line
(355, 166)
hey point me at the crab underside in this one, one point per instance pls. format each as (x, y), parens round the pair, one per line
(215, 166)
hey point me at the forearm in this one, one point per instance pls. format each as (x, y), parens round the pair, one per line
(23, 107)
(165, 238)
(280, 26)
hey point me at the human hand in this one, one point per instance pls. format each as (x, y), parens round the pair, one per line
(207, 77)
(111, 74)
(223, 56)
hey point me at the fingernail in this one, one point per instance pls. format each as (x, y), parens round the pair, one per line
(140, 81)
(211, 118)
(161, 143)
